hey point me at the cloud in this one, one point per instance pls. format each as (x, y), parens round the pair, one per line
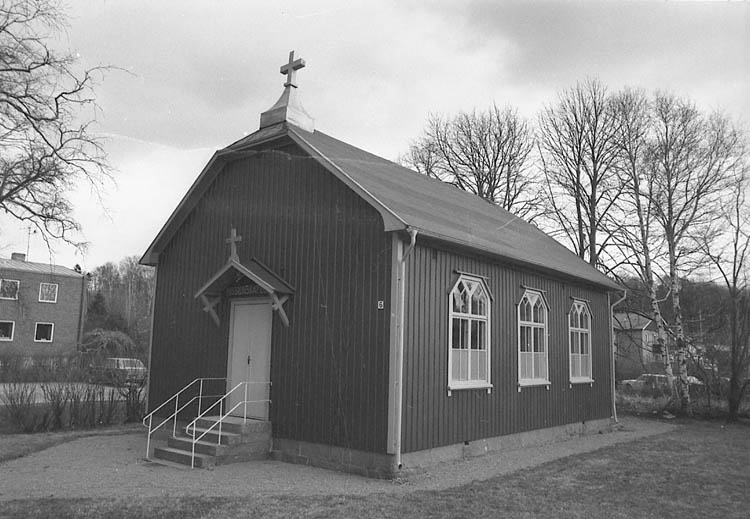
(648, 44)
(200, 73)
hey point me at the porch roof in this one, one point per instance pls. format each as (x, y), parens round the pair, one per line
(234, 271)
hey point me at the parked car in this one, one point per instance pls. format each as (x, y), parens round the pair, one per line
(118, 370)
(647, 381)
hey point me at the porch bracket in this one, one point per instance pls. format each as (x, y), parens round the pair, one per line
(262, 281)
(277, 305)
(209, 307)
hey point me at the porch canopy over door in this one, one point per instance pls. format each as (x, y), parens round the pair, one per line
(249, 279)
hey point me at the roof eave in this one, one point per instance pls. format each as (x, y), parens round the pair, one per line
(603, 283)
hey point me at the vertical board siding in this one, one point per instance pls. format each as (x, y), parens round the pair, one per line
(431, 418)
(330, 367)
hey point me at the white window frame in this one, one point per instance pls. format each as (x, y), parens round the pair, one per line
(12, 331)
(533, 296)
(51, 334)
(48, 300)
(18, 288)
(580, 333)
(478, 383)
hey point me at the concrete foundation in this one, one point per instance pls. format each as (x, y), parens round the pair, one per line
(378, 465)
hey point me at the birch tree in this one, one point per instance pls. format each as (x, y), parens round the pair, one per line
(578, 152)
(637, 239)
(689, 162)
(483, 152)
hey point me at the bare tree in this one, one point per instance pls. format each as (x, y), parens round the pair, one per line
(124, 293)
(577, 147)
(690, 159)
(485, 153)
(727, 246)
(46, 112)
(639, 244)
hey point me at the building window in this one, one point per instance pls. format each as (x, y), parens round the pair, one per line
(469, 334)
(532, 339)
(43, 332)
(6, 330)
(580, 342)
(8, 289)
(48, 292)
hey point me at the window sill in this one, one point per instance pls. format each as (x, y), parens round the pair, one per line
(460, 387)
(534, 383)
(589, 381)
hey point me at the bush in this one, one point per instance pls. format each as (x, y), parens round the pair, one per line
(51, 393)
(47, 368)
(20, 406)
(109, 343)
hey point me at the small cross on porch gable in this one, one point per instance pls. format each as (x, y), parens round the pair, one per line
(290, 70)
(232, 241)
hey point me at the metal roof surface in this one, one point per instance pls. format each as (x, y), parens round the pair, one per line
(42, 268)
(405, 199)
(442, 211)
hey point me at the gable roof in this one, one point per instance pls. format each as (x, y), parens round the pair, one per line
(405, 200)
(40, 268)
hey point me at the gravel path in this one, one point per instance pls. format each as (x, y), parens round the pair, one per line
(113, 466)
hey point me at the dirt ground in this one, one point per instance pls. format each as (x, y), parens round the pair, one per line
(114, 466)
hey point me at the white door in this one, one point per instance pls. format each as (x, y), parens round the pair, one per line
(249, 358)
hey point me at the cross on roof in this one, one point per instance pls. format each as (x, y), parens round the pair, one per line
(291, 68)
(232, 241)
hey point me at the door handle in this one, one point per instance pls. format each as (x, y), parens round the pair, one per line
(248, 359)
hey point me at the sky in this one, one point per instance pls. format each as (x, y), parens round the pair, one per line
(191, 77)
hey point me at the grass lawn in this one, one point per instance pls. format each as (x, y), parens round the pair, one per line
(700, 470)
(18, 445)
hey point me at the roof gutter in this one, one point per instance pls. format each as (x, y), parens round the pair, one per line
(612, 347)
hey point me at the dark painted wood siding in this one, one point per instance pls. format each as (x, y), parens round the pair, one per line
(431, 418)
(330, 367)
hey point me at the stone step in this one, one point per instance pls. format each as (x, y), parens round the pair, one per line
(236, 425)
(183, 457)
(203, 447)
(212, 436)
(258, 450)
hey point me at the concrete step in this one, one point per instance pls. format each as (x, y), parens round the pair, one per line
(203, 447)
(245, 452)
(183, 457)
(236, 424)
(212, 436)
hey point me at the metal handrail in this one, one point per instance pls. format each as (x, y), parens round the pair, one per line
(177, 409)
(221, 419)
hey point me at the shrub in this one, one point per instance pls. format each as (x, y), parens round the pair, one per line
(109, 343)
(42, 368)
(57, 397)
(48, 393)
(20, 405)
